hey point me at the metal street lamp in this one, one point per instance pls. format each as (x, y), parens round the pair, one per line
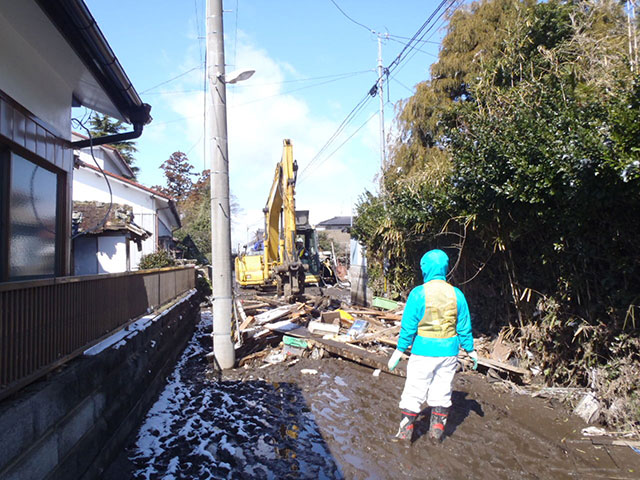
(236, 76)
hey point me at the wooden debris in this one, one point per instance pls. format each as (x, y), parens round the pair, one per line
(505, 367)
(378, 336)
(360, 355)
(258, 354)
(275, 314)
(500, 351)
(323, 328)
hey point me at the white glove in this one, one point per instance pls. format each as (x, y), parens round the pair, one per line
(394, 359)
(474, 356)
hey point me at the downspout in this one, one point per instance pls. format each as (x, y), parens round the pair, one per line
(118, 137)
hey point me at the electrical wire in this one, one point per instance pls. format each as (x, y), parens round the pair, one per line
(419, 35)
(307, 79)
(106, 179)
(303, 177)
(351, 19)
(408, 48)
(350, 116)
(235, 35)
(416, 48)
(399, 37)
(289, 91)
(171, 79)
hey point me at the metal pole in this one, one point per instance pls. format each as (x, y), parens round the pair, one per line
(220, 213)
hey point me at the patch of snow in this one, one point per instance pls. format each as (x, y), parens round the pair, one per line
(119, 338)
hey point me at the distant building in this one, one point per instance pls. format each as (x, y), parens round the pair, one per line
(105, 238)
(152, 211)
(335, 223)
(336, 230)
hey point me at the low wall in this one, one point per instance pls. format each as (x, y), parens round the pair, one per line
(72, 423)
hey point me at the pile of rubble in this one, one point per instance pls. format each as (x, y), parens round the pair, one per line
(269, 331)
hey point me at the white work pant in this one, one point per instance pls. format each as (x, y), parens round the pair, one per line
(429, 379)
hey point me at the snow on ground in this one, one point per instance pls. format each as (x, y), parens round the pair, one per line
(207, 429)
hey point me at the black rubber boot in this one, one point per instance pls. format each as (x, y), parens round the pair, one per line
(437, 422)
(406, 427)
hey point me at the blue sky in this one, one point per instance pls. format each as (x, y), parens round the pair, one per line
(313, 65)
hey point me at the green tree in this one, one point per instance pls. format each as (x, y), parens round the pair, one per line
(103, 125)
(521, 158)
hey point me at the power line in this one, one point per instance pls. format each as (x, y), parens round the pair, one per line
(307, 79)
(351, 19)
(171, 79)
(350, 116)
(302, 177)
(235, 35)
(290, 91)
(419, 35)
(416, 48)
(399, 37)
(408, 48)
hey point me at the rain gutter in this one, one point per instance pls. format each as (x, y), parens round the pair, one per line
(76, 24)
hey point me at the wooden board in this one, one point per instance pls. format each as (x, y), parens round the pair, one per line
(360, 355)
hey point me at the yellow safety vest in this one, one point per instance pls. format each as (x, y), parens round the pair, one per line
(440, 312)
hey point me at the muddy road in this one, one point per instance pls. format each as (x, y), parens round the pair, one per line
(285, 421)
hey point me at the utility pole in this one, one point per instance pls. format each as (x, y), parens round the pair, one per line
(632, 34)
(383, 149)
(223, 348)
(383, 154)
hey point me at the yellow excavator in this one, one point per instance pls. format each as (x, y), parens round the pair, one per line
(290, 256)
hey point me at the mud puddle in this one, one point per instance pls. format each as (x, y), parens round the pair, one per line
(279, 422)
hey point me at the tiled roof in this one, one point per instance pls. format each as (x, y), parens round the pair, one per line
(89, 215)
(336, 221)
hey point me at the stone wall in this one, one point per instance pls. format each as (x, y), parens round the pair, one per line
(73, 423)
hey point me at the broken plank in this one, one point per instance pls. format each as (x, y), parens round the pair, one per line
(282, 326)
(245, 321)
(258, 354)
(369, 337)
(489, 363)
(275, 314)
(270, 301)
(359, 355)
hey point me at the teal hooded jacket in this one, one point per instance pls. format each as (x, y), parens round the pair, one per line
(434, 265)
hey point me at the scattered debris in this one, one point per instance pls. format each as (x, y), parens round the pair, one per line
(593, 431)
(271, 331)
(309, 371)
(589, 408)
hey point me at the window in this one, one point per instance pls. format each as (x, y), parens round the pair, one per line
(32, 219)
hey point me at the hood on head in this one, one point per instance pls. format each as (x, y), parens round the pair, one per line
(434, 265)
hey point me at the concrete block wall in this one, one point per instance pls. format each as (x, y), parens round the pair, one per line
(72, 424)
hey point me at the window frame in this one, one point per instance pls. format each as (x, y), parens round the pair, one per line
(7, 152)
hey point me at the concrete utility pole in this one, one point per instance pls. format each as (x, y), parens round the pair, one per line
(383, 147)
(383, 152)
(223, 349)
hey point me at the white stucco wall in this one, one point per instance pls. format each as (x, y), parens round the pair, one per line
(27, 74)
(104, 156)
(112, 254)
(89, 185)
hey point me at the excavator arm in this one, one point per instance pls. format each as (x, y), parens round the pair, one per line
(279, 263)
(280, 257)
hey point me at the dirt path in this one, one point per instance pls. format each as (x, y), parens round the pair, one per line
(278, 422)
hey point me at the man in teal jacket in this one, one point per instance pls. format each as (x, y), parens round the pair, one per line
(435, 323)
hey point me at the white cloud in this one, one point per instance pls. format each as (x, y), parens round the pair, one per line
(260, 114)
